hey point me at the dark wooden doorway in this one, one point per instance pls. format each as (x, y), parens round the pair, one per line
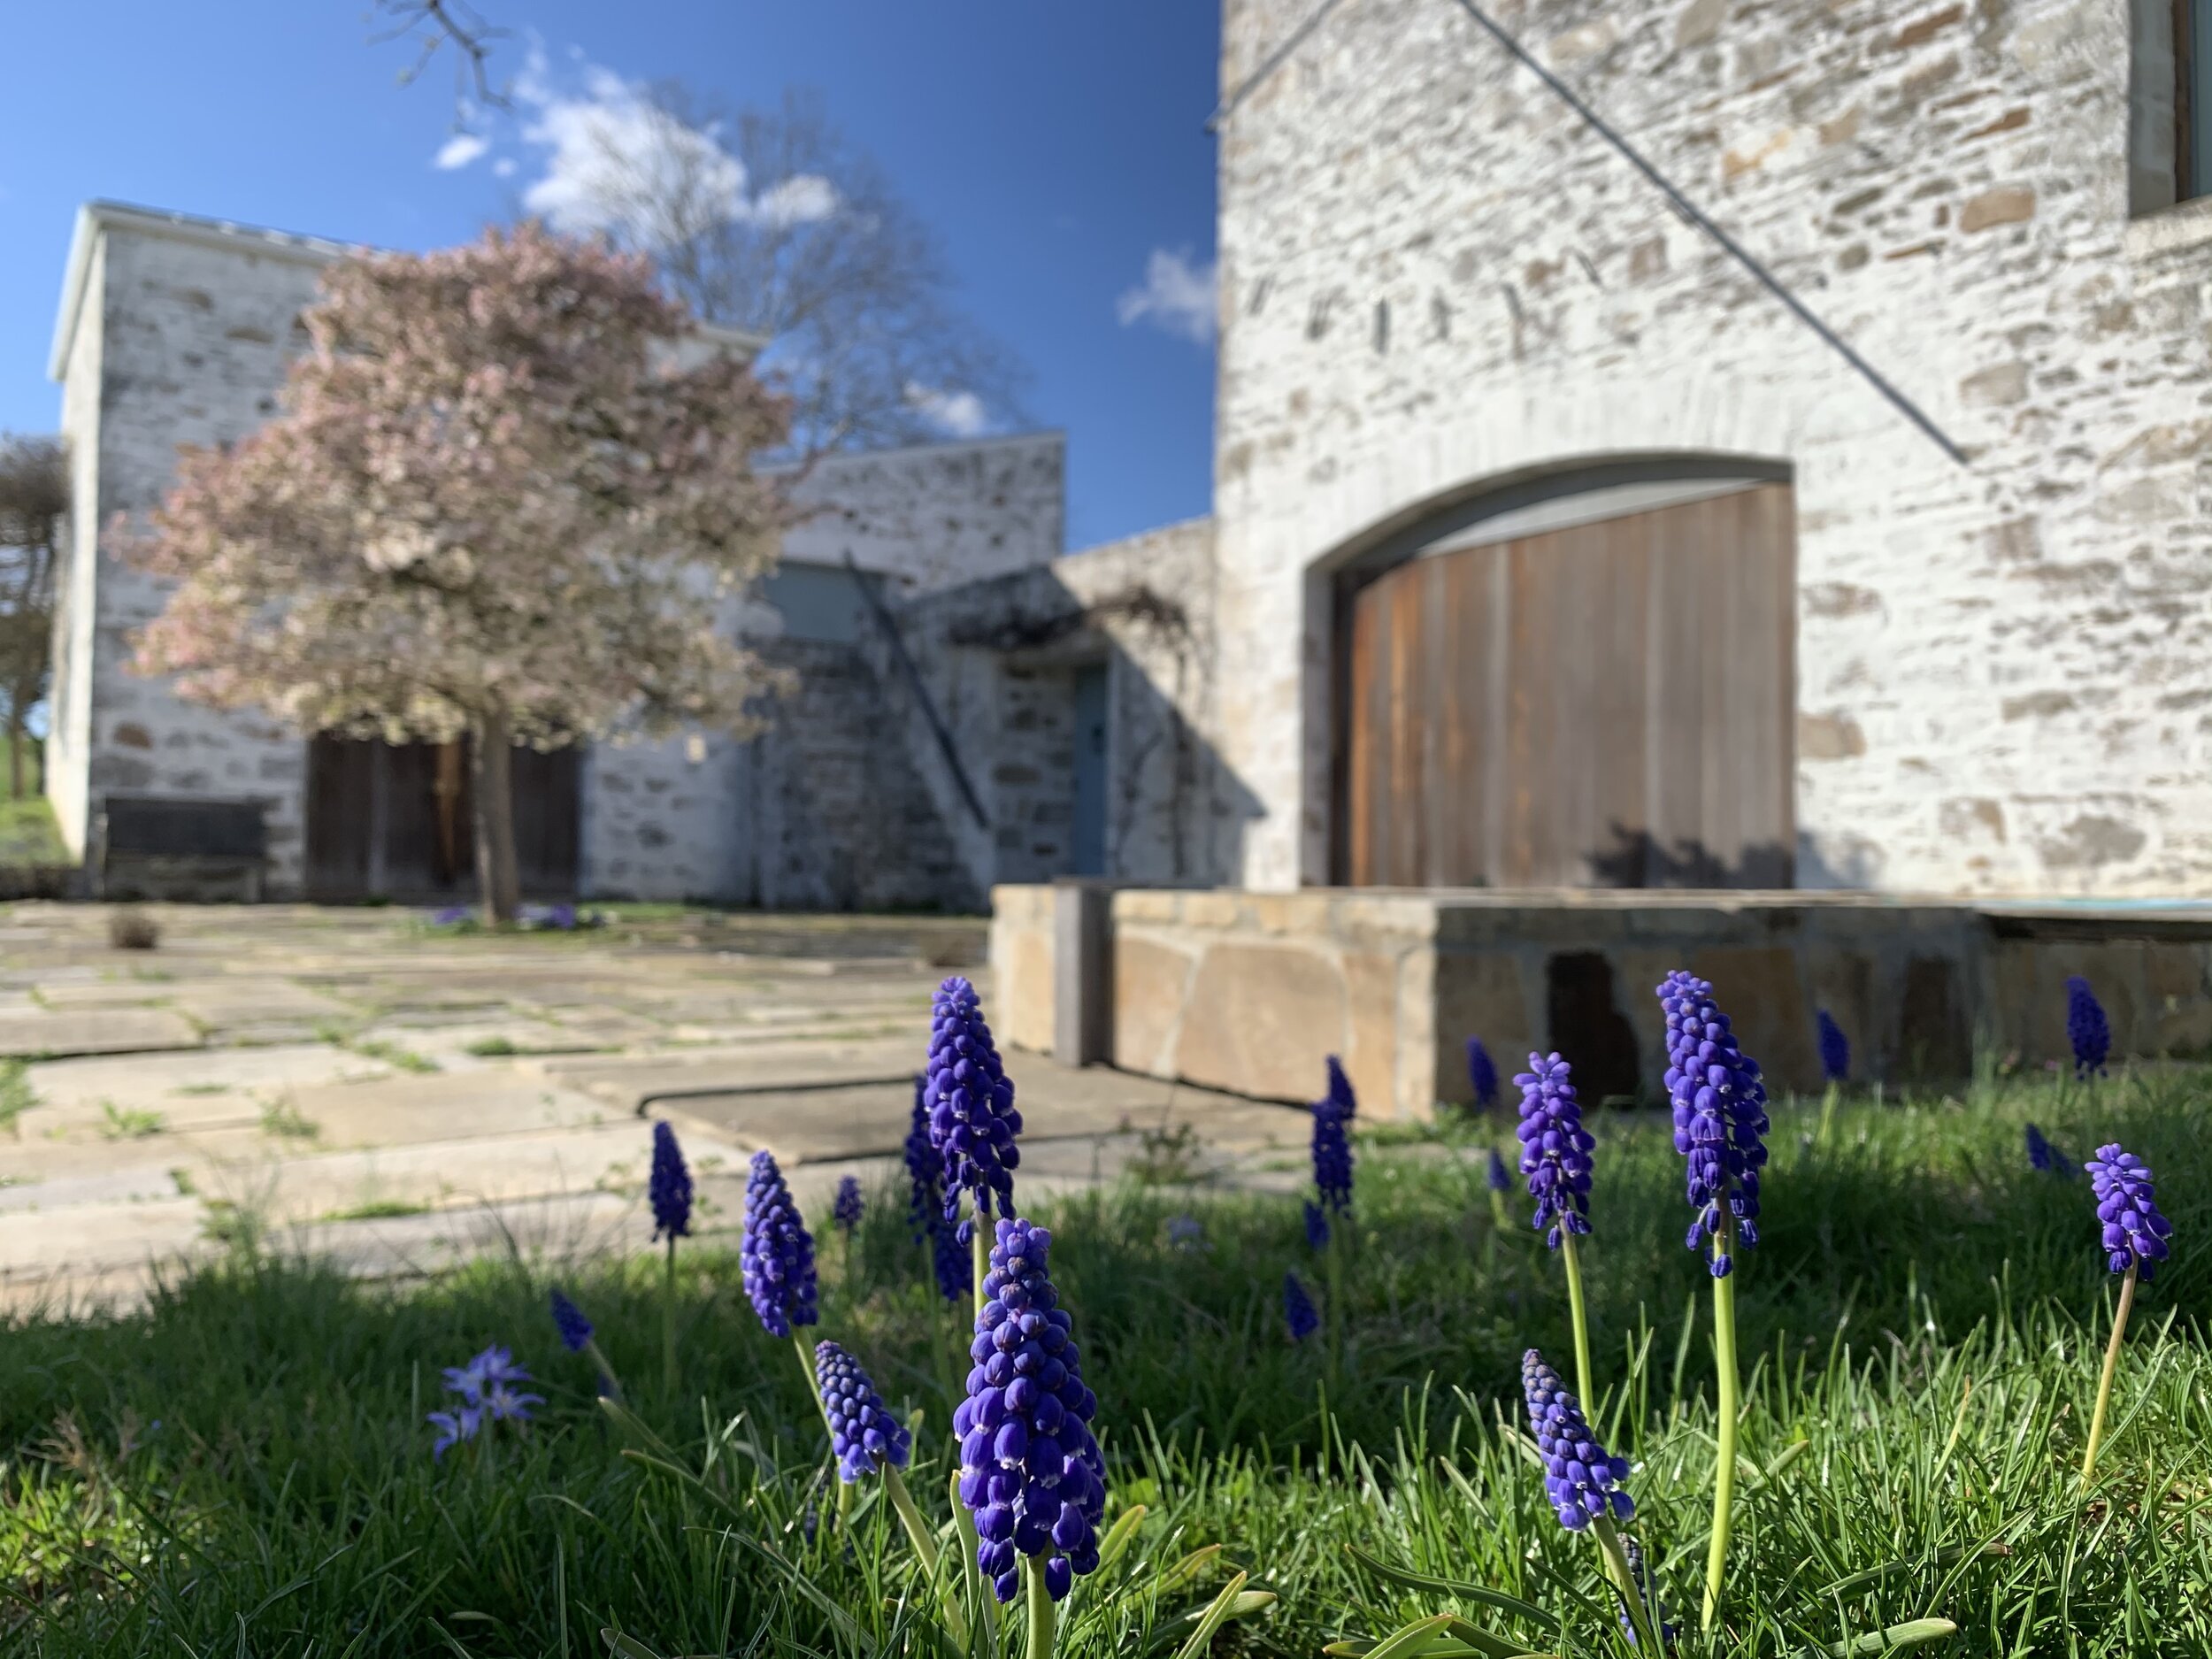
(1609, 703)
(397, 821)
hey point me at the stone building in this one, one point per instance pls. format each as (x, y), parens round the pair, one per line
(1554, 550)
(176, 330)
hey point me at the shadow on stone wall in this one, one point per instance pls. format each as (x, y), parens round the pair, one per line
(1637, 858)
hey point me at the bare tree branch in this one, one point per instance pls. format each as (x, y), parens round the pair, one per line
(33, 503)
(770, 221)
(433, 24)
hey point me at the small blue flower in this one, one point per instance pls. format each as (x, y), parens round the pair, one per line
(1030, 1467)
(1835, 1049)
(2045, 1157)
(1720, 1116)
(1298, 1314)
(1186, 1233)
(1482, 1071)
(670, 1187)
(2086, 1028)
(450, 916)
(1317, 1226)
(776, 1252)
(845, 1212)
(1554, 1148)
(972, 1122)
(1581, 1479)
(1333, 1115)
(1499, 1177)
(454, 1427)
(2134, 1233)
(493, 1366)
(502, 1404)
(864, 1434)
(574, 1328)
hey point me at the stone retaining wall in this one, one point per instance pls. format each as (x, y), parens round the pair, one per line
(1252, 991)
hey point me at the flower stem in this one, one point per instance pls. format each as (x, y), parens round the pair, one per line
(2104, 1382)
(606, 1371)
(1625, 1576)
(1725, 1470)
(668, 1321)
(970, 1569)
(1827, 1114)
(1583, 1384)
(1040, 1608)
(1333, 1261)
(925, 1550)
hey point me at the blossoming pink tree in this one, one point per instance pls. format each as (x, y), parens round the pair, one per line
(506, 484)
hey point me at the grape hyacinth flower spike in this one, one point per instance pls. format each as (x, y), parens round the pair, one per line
(669, 1190)
(1332, 1116)
(577, 1338)
(1298, 1315)
(1482, 1073)
(972, 1122)
(1317, 1226)
(1498, 1179)
(2134, 1239)
(2086, 1028)
(845, 1212)
(1835, 1065)
(1030, 1469)
(1555, 1156)
(1720, 1126)
(2045, 1157)
(1582, 1480)
(776, 1253)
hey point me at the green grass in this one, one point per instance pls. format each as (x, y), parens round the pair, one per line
(392, 1053)
(1920, 1329)
(283, 1119)
(492, 1047)
(28, 834)
(17, 1097)
(129, 1123)
(378, 1210)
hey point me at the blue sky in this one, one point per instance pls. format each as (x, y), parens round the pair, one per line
(1058, 148)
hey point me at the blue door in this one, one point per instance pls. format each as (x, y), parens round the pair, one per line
(1086, 848)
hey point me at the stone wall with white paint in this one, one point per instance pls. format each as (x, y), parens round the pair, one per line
(1434, 276)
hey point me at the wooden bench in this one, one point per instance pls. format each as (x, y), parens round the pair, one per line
(178, 847)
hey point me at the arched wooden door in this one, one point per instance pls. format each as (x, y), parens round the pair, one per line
(1607, 703)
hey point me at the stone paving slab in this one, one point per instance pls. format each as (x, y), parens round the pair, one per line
(105, 993)
(155, 1081)
(630, 1082)
(248, 1002)
(105, 1030)
(443, 1108)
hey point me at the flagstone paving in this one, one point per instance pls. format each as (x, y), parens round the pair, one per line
(350, 1083)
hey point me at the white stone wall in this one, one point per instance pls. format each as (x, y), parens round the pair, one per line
(1434, 276)
(176, 342)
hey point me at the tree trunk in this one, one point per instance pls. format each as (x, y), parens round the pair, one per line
(15, 761)
(497, 879)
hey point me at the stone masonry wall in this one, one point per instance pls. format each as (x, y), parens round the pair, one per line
(1000, 658)
(1433, 276)
(179, 343)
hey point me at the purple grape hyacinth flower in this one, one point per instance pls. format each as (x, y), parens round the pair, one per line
(1835, 1049)
(1030, 1469)
(972, 1122)
(1482, 1071)
(1298, 1314)
(845, 1212)
(1499, 1177)
(1554, 1147)
(864, 1434)
(1333, 1115)
(569, 1320)
(2045, 1157)
(670, 1187)
(1317, 1226)
(776, 1252)
(1582, 1481)
(2086, 1028)
(2135, 1233)
(924, 1168)
(1720, 1117)
(949, 1257)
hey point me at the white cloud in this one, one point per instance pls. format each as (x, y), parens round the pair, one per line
(958, 414)
(459, 150)
(504, 167)
(1175, 295)
(608, 145)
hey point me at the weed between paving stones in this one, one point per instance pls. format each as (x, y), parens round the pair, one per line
(1919, 1342)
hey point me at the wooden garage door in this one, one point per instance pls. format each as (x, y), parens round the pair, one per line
(1609, 704)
